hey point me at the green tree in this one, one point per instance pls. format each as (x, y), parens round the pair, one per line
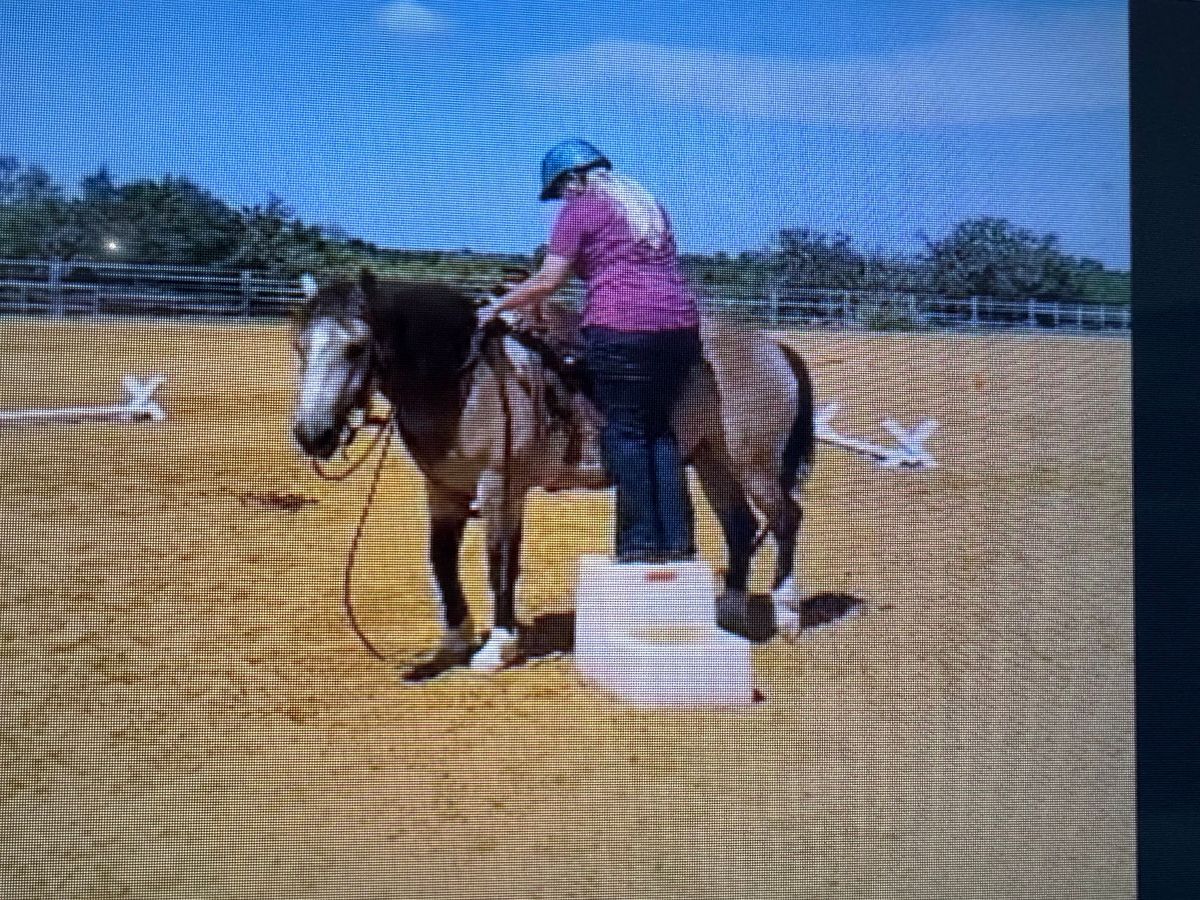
(991, 257)
(265, 240)
(1101, 285)
(812, 259)
(173, 220)
(35, 218)
(96, 211)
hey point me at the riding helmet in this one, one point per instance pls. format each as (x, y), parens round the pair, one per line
(565, 157)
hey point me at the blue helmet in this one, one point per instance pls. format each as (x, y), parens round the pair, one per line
(568, 156)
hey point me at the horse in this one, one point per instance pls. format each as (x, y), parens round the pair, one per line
(471, 411)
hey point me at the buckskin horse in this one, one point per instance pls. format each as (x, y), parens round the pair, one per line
(472, 410)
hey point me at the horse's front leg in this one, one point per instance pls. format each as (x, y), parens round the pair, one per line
(501, 505)
(448, 515)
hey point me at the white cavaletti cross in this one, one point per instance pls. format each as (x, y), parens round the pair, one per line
(911, 452)
(139, 405)
(140, 397)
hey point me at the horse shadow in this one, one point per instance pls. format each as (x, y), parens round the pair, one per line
(750, 616)
(547, 636)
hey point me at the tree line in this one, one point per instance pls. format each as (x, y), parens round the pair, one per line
(979, 257)
(173, 220)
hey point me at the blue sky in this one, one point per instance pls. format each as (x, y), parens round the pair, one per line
(422, 124)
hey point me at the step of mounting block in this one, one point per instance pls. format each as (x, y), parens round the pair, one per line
(648, 633)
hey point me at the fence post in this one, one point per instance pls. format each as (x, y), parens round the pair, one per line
(1125, 318)
(56, 291)
(773, 307)
(1031, 320)
(974, 312)
(247, 294)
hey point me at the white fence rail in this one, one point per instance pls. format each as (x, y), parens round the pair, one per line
(87, 288)
(90, 288)
(833, 310)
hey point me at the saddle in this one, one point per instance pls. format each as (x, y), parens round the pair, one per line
(566, 381)
(554, 374)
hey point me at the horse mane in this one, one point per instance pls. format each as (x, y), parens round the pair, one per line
(423, 332)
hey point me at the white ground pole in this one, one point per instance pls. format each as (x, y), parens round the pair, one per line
(139, 406)
(910, 452)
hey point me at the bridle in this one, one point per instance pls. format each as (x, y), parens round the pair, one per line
(349, 431)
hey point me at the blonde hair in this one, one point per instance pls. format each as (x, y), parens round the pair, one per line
(638, 205)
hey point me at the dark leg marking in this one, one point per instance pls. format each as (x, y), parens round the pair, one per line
(504, 557)
(738, 522)
(783, 517)
(445, 541)
(786, 532)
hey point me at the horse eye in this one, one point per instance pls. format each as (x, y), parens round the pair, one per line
(356, 350)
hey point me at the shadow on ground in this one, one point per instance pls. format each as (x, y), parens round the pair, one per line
(550, 634)
(750, 616)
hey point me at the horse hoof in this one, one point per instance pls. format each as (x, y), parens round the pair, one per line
(454, 650)
(785, 601)
(500, 650)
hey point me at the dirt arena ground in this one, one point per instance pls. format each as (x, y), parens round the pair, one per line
(186, 714)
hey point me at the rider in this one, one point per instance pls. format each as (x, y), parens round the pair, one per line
(641, 338)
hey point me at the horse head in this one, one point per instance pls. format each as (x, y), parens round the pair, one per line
(337, 355)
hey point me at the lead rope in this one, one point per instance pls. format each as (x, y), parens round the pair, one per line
(384, 436)
(347, 574)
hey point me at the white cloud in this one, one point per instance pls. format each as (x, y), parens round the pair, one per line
(984, 68)
(412, 18)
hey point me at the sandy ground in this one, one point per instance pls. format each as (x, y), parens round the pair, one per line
(186, 713)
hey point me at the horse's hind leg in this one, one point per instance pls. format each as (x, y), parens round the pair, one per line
(783, 515)
(738, 522)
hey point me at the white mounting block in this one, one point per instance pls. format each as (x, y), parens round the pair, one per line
(139, 405)
(649, 634)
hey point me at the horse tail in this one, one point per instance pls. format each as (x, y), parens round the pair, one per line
(802, 439)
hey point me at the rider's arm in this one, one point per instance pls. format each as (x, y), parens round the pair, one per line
(549, 278)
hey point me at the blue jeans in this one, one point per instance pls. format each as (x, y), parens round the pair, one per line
(637, 378)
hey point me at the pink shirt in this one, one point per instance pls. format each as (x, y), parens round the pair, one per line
(631, 286)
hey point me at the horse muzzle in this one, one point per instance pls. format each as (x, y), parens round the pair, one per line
(320, 443)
